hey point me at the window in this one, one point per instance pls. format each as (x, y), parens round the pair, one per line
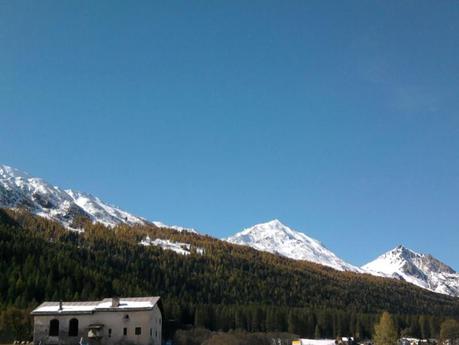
(156, 334)
(138, 331)
(124, 331)
(109, 332)
(151, 332)
(73, 328)
(54, 328)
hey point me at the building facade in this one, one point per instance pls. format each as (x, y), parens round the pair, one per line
(112, 321)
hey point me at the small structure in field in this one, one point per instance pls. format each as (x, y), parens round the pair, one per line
(313, 342)
(112, 321)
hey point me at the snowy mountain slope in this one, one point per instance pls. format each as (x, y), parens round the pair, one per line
(275, 237)
(102, 212)
(19, 189)
(419, 269)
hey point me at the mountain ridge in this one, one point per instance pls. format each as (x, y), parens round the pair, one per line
(20, 190)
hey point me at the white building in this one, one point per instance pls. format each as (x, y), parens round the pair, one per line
(112, 321)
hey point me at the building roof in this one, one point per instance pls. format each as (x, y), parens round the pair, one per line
(125, 304)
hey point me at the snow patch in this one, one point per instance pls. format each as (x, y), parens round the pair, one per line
(178, 247)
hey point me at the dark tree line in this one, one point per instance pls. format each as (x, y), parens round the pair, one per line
(307, 322)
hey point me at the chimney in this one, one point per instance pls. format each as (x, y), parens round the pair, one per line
(115, 302)
(60, 305)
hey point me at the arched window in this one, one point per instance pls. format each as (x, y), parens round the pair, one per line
(54, 328)
(73, 328)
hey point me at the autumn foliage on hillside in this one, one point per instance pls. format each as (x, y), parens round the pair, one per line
(226, 287)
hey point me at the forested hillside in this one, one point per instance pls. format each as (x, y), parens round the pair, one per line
(226, 287)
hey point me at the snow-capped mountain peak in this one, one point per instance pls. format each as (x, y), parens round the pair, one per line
(420, 269)
(275, 237)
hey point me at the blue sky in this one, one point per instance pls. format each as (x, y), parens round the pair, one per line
(339, 118)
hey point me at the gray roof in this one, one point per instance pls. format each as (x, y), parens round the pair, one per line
(125, 304)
